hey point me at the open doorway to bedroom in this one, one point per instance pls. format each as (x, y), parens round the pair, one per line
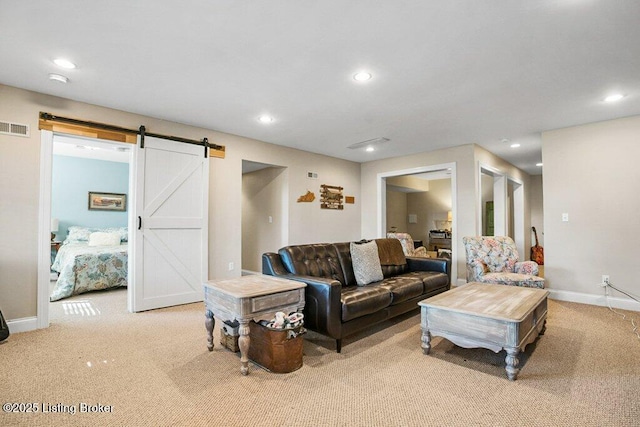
(89, 222)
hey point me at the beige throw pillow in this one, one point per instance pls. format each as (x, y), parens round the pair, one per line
(366, 262)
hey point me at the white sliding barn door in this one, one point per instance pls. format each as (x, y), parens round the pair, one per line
(171, 215)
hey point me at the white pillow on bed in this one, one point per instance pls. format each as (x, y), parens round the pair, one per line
(100, 238)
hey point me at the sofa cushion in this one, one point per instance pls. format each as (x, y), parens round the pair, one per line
(403, 288)
(366, 263)
(358, 301)
(432, 280)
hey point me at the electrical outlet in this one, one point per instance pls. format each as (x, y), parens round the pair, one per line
(605, 280)
(231, 266)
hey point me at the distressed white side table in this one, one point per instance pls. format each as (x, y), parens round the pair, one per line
(255, 297)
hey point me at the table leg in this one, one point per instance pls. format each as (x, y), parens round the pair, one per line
(426, 335)
(544, 327)
(512, 363)
(209, 323)
(244, 342)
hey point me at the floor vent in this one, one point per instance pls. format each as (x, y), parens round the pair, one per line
(15, 129)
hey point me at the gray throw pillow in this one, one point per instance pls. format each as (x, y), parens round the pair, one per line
(366, 262)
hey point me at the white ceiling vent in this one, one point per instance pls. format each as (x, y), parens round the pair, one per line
(15, 129)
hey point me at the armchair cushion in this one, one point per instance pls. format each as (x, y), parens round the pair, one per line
(527, 267)
(513, 279)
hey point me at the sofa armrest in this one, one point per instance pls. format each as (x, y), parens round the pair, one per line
(527, 267)
(442, 265)
(272, 264)
(322, 305)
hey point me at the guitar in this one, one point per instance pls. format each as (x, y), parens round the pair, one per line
(537, 252)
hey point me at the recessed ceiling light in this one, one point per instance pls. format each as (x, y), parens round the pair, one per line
(64, 63)
(614, 97)
(370, 149)
(58, 78)
(362, 76)
(539, 165)
(265, 119)
(516, 145)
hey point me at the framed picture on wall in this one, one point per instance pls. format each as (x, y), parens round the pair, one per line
(107, 201)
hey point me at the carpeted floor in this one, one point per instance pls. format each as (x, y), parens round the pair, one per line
(153, 369)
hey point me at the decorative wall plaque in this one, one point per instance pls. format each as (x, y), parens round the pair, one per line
(331, 197)
(309, 197)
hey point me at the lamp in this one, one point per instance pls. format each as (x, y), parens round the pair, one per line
(54, 227)
(449, 216)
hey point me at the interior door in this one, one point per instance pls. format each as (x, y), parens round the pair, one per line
(171, 210)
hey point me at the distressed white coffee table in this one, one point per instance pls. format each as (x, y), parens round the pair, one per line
(255, 297)
(488, 316)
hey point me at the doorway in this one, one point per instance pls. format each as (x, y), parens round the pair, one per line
(501, 206)
(264, 212)
(79, 164)
(388, 180)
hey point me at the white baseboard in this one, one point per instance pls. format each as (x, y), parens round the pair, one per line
(22, 325)
(582, 298)
(601, 300)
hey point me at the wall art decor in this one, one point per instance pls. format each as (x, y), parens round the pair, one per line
(309, 197)
(331, 197)
(107, 202)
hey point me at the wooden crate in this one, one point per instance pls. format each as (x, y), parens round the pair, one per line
(228, 339)
(277, 350)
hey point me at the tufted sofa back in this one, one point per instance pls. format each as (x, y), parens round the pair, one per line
(333, 260)
(317, 260)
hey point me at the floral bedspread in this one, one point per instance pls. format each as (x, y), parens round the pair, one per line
(83, 268)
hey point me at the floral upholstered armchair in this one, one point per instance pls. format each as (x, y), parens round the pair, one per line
(495, 260)
(407, 245)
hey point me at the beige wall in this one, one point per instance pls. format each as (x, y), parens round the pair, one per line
(397, 211)
(19, 191)
(591, 172)
(429, 206)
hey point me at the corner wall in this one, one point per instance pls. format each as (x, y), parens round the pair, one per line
(591, 172)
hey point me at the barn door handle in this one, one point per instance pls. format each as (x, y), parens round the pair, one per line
(139, 223)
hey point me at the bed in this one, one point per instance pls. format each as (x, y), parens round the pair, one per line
(90, 259)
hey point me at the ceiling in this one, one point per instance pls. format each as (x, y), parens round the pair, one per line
(90, 148)
(445, 73)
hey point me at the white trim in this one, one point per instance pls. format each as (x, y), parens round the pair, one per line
(44, 226)
(24, 324)
(601, 300)
(518, 216)
(591, 299)
(382, 203)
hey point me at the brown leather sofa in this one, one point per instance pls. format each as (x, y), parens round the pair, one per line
(335, 306)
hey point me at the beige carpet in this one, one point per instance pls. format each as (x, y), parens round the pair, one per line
(153, 368)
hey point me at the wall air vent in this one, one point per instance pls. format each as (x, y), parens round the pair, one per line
(15, 129)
